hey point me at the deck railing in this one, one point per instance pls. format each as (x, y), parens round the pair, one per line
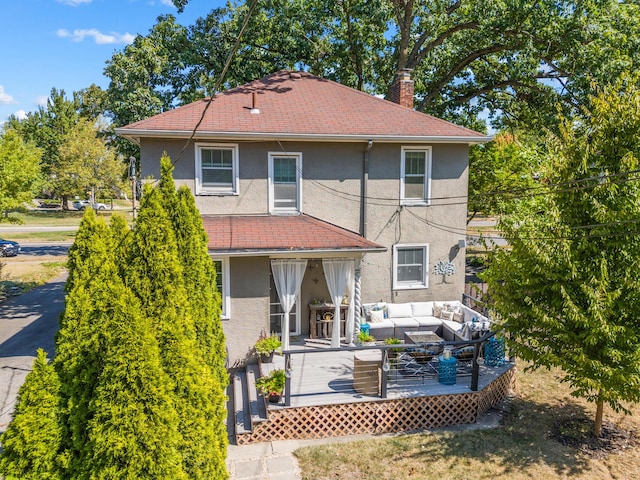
(379, 369)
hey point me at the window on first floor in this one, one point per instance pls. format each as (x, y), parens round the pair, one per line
(216, 169)
(415, 173)
(410, 266)
(222, 284)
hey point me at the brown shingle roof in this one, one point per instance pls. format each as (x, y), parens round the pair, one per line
(250, 234)
(298, 104)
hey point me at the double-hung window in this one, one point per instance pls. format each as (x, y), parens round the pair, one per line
(415, 172)
(285, 182)
(222, 284)
(410, 266)
(216, 169)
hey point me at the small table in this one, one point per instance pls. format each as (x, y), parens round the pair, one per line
(422, 337)
(366, 372)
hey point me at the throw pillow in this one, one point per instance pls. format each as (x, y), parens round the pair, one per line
(366, 310)
(377, 316)
(437, 310)
(458, 317)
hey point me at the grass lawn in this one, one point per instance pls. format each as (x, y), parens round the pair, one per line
(546, 434)
(23, 273)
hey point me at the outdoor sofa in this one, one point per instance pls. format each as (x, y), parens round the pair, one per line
(452, 320)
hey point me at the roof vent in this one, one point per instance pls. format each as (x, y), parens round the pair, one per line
(294, 75)
(254, 104)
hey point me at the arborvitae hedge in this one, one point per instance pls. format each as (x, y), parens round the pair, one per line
(137, 386)
(32, 441)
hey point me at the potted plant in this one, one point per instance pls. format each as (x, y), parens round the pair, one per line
(365, 338)
(393, 352)
(272, 385)
(265, 346)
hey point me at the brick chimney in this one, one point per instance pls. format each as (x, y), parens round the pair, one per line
(401, 91)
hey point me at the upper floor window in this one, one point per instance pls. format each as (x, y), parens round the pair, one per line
(415, 172)
(285, 182)
(216, 169)
(222, 284)
(410, 266)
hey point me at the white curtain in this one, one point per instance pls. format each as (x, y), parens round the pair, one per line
(287, 275)
(338, 273)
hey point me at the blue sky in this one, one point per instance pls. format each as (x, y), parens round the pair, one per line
(65, 43)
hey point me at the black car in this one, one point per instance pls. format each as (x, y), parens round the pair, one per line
(9, 248)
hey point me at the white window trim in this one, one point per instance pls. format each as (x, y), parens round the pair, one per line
(226, 284)
(426, 200)
(281, 211)
(205, 190)
(425, 271)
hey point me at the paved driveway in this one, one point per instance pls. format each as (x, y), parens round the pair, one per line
(27, 322)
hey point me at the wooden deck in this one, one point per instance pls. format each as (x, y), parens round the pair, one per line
(320, 378)
(324, 401)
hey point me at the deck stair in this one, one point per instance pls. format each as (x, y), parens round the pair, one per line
(248, 406)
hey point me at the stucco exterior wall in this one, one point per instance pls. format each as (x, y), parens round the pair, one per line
(331, 191)
(249, 285)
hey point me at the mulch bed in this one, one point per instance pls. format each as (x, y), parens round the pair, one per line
(577, 431)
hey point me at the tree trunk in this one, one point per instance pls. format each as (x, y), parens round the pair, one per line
(597, 426)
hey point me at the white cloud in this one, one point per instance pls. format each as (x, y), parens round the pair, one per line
(5, 98)
(167, 3)
(42, 100)
(20, 114)
(99, 37)
(74, 3)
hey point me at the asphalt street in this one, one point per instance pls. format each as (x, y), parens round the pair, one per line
(27, 322)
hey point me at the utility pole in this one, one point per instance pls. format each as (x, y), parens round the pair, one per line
(132, 174)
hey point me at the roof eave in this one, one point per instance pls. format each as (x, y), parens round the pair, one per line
(136, 135)
(294, 253)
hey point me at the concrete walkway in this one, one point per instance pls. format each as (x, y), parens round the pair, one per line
(273, 460)
(27, 322)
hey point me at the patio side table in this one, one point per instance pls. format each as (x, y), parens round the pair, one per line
(447, 370)
(366, 372)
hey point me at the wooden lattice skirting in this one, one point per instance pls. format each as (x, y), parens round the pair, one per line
(381, 416)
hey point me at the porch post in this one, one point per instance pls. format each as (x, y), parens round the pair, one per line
(357, 301)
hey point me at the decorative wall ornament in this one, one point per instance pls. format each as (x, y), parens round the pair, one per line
(444, 268)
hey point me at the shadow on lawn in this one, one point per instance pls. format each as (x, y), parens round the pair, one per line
(524, 439)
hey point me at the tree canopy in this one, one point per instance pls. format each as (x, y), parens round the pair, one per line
(19, 171)
(566, 288)
(514, 61)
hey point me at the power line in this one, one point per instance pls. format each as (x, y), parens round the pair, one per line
(223, 73)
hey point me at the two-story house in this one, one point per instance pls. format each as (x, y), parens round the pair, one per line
(314, 193)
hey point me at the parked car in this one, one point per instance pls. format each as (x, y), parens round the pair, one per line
(9, 248)
(82, 204)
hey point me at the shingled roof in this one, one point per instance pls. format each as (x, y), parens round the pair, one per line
(298, 105)
(270, 234)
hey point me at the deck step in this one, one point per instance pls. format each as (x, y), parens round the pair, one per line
(240, 403)
(257, 406)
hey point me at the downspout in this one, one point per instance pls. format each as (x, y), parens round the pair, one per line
(364, 189)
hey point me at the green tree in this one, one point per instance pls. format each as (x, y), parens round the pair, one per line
(566, 289)
(157, 279)
(199, 276)
(79, 340)
(499, 171)
(19, 171)
(30, 445)
(86, 164)
(47, 126)
(132, 431)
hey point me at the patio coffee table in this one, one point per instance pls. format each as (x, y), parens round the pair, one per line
(422, 337)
